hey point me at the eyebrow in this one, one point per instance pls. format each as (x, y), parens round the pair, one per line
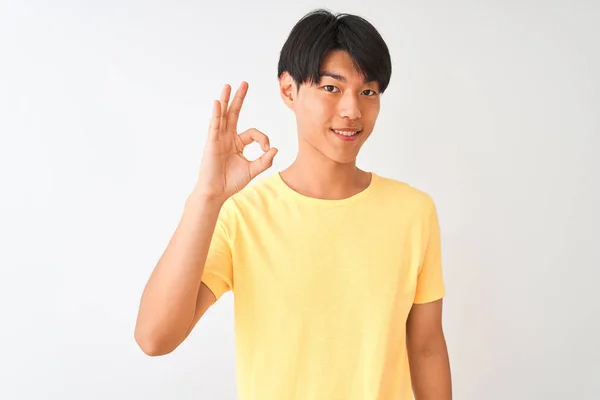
(337, 77)
(333, 75)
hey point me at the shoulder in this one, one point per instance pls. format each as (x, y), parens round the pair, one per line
(257, 193)
(400, 192)
(408, 205)
(255, 197)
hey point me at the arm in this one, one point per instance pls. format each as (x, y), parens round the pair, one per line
(427, 352)
(174, 299)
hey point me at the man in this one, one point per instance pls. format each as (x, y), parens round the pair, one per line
(336, 272)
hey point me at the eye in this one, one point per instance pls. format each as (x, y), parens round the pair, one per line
(370, 92)
(330, 88)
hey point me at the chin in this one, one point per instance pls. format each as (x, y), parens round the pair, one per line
(335, 150)
(341, 158)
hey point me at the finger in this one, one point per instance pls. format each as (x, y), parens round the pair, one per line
(215, 122)
(225, 95)
(254, 135)
(262, 163)
(233, 113)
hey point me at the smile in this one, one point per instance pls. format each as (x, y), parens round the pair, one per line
(346, 135)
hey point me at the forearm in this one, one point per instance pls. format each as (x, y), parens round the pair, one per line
(430, 372)
(169, 299)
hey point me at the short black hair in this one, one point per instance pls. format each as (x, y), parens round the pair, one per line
(320, 32)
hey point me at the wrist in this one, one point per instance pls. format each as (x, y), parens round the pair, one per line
(200, 199)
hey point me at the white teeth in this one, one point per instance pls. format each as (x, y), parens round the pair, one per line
(346, 133)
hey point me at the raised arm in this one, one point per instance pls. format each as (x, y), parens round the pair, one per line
(174, 298)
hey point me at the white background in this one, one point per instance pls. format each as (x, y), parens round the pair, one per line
(493, 109)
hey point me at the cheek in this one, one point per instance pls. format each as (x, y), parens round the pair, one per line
(314, 113)
(319, 111)
(370, 114)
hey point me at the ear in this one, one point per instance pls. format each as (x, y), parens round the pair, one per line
(287, 89)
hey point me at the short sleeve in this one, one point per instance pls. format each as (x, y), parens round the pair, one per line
(218, 269)
(430, 281)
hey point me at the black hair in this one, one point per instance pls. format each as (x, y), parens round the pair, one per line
(320, 32)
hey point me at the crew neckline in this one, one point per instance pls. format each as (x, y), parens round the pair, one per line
(289, 192)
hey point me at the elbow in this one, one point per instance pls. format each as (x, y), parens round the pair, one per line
(153, 350)
(152, 345)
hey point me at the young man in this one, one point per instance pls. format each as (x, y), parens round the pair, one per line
(336, 272)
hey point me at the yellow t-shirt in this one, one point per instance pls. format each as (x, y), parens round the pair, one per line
(322, 288)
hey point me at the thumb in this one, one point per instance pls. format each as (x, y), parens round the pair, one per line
(263, 162)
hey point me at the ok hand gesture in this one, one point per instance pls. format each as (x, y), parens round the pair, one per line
(224, 170)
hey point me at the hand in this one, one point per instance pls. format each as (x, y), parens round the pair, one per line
(224, 170)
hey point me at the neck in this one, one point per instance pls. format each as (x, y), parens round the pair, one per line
(315, 175)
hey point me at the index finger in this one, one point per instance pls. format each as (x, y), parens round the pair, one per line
(233, 113)
(215, 122)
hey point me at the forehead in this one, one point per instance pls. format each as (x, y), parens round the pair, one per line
(339, 65)
(339, 62)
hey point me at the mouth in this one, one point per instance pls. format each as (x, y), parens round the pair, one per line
(346, 135)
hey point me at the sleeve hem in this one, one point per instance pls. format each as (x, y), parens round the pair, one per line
(212, 283)
(429, 298)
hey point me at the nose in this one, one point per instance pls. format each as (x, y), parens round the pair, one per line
(349, 107)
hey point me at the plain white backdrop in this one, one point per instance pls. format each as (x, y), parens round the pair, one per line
(493, 109)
